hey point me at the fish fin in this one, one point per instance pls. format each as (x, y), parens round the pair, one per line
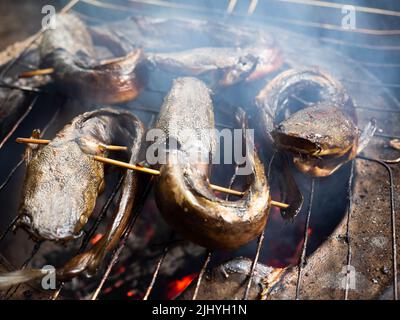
(290, 192)
(366, 135)
(12, 278)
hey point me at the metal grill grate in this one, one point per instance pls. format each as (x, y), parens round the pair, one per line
(230, 10)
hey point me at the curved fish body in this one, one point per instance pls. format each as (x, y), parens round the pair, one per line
(225, 66)
(69, 50)
(57, 206)
(183, 192)
(229, 281)
(63, 180)
(221, 54)
(322, 133)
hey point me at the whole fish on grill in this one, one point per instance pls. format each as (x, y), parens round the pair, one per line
(63, 181)
(322, 134)
(222, 65)
(183, 192)
(220, 53)
(69, 50)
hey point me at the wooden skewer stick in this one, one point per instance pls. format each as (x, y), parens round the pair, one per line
(113, 148)
(156, 172)
(37, 72)
(144, 169)
(127, 165)
(44, 141)
(32, 140)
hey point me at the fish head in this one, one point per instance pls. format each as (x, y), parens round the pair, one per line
(321, 138)
(60, 191)
(240, 70)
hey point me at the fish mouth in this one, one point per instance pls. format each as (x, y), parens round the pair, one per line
(27, 223)
(296, 144)
(321, 166)
(306, 147)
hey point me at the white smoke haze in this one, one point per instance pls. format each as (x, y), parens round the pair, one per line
(230, 143)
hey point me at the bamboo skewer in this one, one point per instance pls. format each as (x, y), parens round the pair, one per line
(32, 140)
(144, 169)
(44, 141)
(37, 72)
(156, 172)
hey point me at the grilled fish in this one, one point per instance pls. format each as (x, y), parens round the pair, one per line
(62, 184)
(226, 66)
(70, 51)
(323, 134)
(183, 192)
(63, 180)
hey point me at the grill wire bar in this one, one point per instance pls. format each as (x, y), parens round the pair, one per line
(11, 291)
(348, 237)
(393, 222)
(19, 121)
(14, 170)
(305, 243)
(253, 265)
(201, 274)
(157, 269)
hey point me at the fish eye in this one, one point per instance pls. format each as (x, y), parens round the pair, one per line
(319, 149)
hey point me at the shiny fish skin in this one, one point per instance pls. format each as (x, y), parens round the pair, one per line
(63, 180)
(69, 50)
(322, 135)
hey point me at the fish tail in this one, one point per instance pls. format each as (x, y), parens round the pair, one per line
(21, 276)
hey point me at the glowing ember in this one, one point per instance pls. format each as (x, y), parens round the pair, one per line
(149, 234)
(121, 269)
(177, 286)
(96, 238)
(130, 294)
(107, 290)
(118, 283)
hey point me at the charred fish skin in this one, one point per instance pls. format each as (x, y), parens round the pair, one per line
(134, 183)
(63, 180)
(87, 131)
(183, 193)
(70, 51)
(272, 101)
